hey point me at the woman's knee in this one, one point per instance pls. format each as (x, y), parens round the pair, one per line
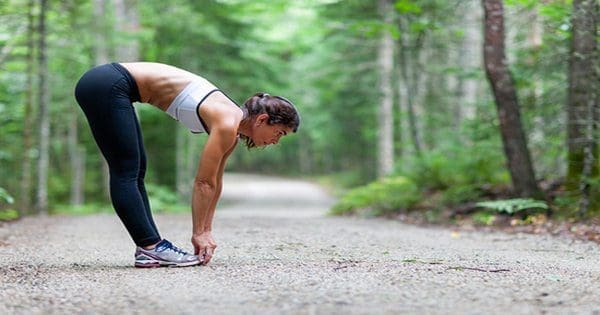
(125, 170)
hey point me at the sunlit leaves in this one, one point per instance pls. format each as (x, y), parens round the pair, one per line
(408, 6)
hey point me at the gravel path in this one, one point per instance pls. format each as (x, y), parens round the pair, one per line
(281, 255)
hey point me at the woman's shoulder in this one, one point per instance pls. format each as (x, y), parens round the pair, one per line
(221, 110)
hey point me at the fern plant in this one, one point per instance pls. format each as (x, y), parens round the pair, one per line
(5, 196)
(512, 206)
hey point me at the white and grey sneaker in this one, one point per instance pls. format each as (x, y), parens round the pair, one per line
(164, 254)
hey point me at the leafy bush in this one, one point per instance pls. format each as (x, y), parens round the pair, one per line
(471, 156)
(459, 194)
(7, 214)
(162, 199)
(85, 209)
(379, 197)
(512, 206)
(484, 217)
(5, 197)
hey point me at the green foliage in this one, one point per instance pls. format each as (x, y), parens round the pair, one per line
(484, 217)
(512, 206)
(379, 197)
(9, 215)
(408, 6)
(448, 168)
(5, 197)
(323, 56)
(459, 194)
(162, 199)
(85, 209)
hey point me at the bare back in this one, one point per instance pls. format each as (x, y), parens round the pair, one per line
(158, 83)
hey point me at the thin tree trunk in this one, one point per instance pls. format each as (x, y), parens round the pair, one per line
(44, 99)
(468, 58)
(76, 160)
(583, 105)
(25, 198)
(127, 24)
(101, 56)
(400, 96)
(534, 43)
(100, 47)
(411, 84)
(501, 81)
(386, 117)
(472, 59)
(306, 146)
(75, 151)
(181, 176)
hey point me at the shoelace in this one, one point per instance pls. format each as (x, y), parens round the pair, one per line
(169, 246)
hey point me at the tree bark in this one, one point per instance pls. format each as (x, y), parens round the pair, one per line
(469, 57)
(44, 119)
(25, 197)
(386, 117)
(501, 81)
(101, 56)
(582, 107)
(182, 177)
(127, 25)
(410, 82)
(77, 162)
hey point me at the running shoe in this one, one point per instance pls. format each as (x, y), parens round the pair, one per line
(164, 254)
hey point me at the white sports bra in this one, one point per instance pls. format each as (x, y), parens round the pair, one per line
(184, 107)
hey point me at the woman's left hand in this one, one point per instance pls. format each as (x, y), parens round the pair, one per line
(204, 246)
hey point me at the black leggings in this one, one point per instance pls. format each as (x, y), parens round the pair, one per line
(106, 94)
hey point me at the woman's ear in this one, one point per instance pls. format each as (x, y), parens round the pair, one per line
(262, 119)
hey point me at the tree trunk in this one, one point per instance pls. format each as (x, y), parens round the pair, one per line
(25, 197)
(44, 119)
(400, 96)
(469, 58)
(582, 108)
(501, 81)
(534, 44)
(127, 25)
(182, 182)
(386, 117)
(77, 162)
(75, 151)
(410, 83)
(100, 47)
(101, 56)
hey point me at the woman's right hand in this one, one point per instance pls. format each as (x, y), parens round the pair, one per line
(204, 246)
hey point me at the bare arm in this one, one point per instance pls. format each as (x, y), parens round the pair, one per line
(208, 181)
(213, 206)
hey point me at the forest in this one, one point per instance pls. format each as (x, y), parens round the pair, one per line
(406, 105)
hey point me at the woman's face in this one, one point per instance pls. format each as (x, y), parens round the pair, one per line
(265, 134)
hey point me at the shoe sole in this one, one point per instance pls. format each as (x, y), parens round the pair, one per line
(158, 264)
(152, 263)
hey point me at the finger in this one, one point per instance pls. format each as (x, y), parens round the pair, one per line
(206, 259)
(199, 249)
(208, 255)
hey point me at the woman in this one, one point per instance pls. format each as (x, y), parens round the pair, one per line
(106, 94)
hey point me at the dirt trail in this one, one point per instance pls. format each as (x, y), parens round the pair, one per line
(279, 254)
